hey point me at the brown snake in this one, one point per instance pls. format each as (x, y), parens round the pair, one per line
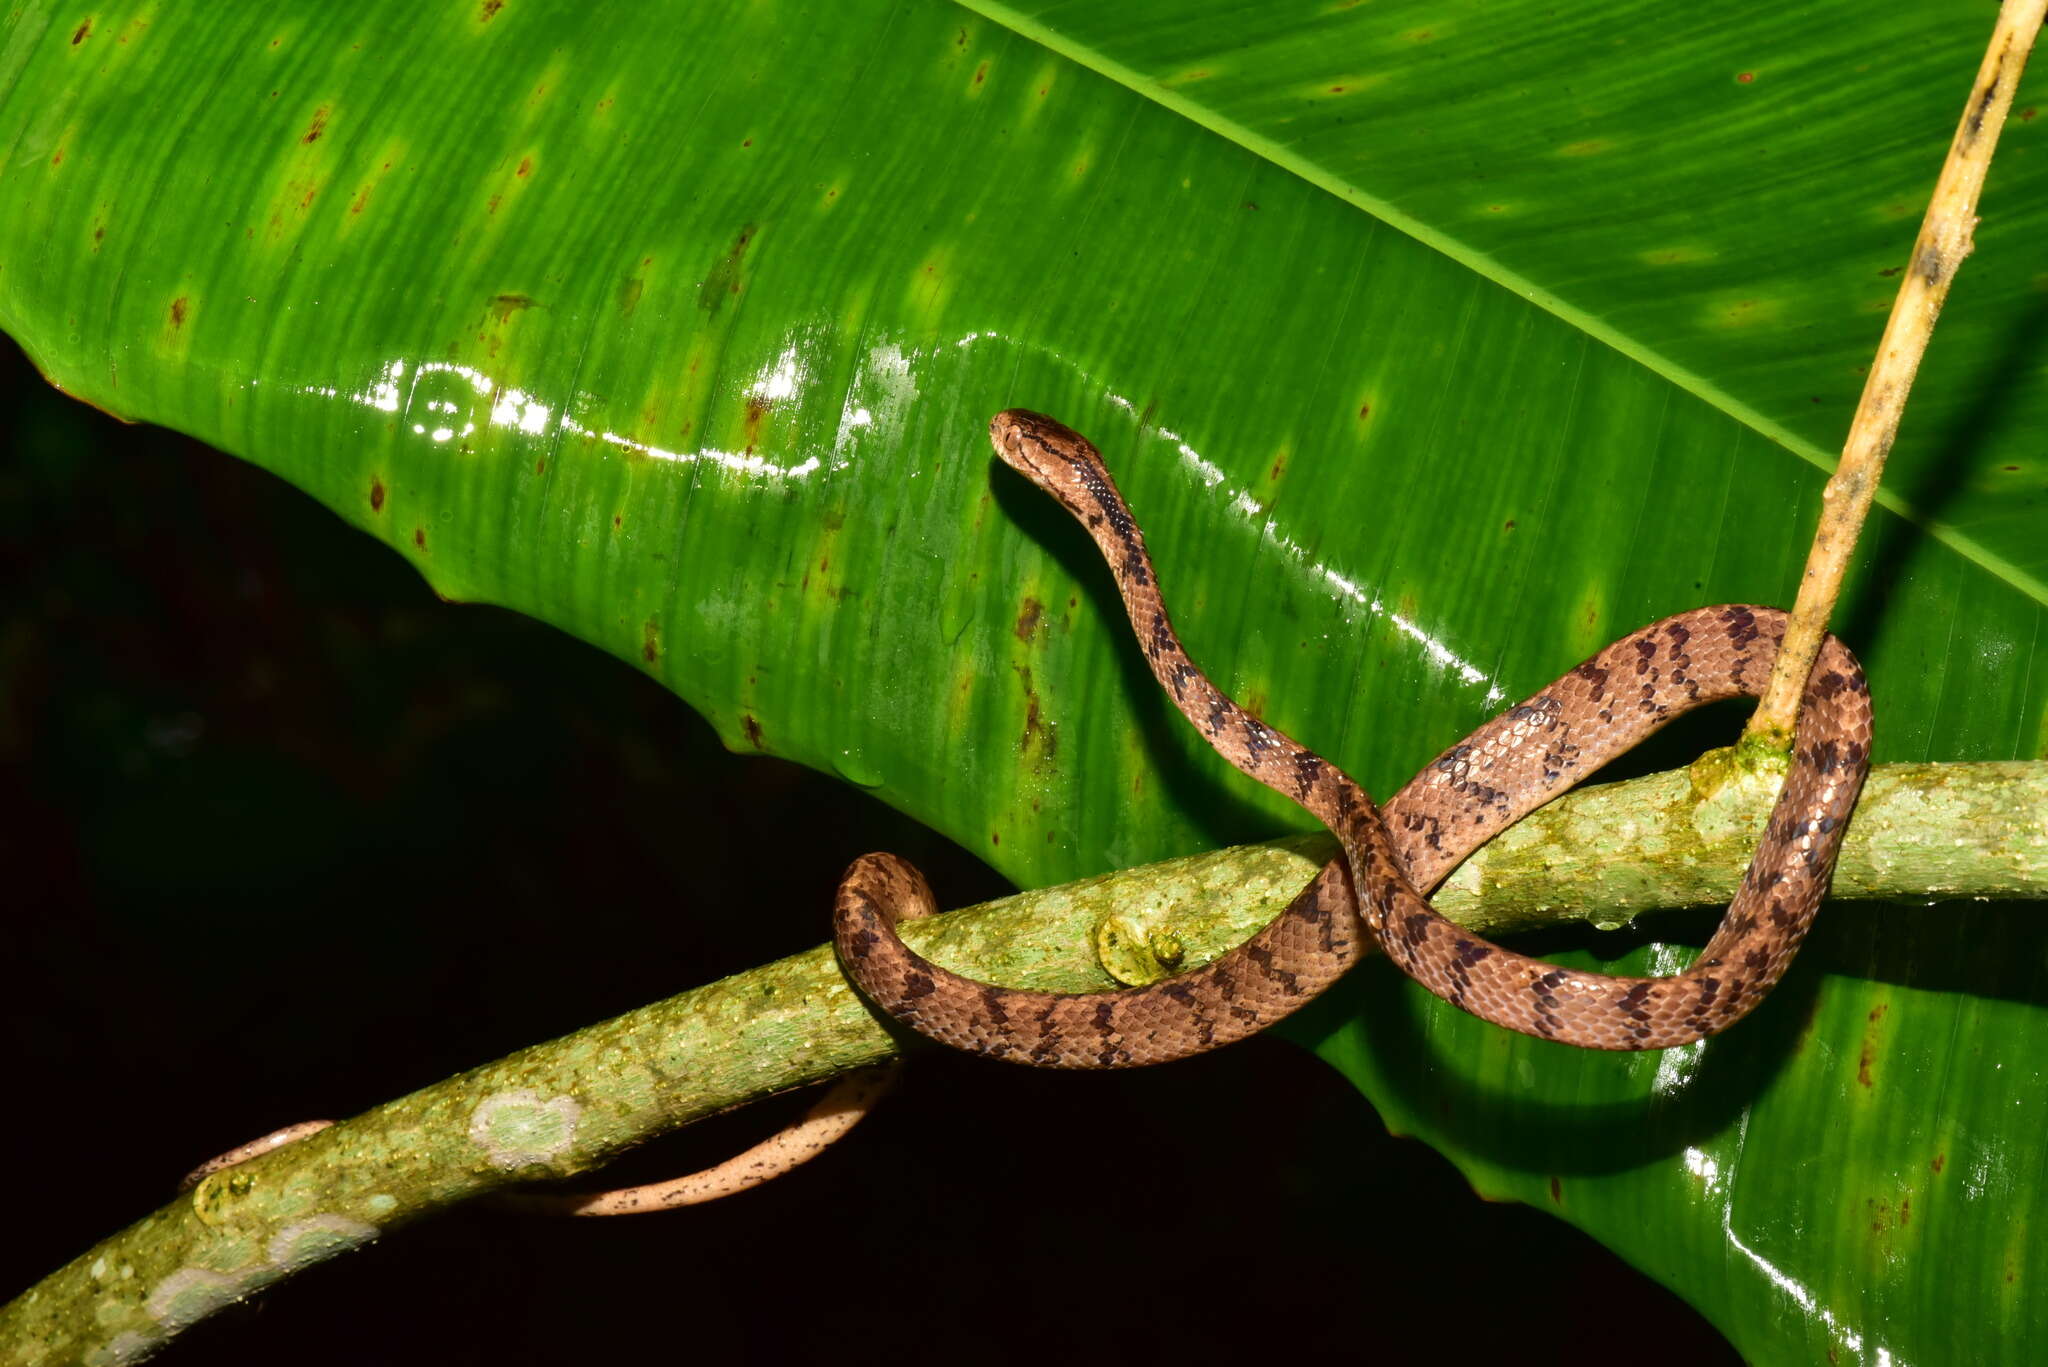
(1501, 772)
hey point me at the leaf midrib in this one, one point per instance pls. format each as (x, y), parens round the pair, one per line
(1491, 269)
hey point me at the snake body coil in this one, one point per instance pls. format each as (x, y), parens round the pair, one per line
(1483, 784)
(1502, 771)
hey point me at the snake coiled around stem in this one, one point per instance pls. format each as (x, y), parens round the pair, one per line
(1507, 768)
(1501, 772)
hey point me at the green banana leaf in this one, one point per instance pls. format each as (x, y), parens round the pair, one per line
(1435, 345)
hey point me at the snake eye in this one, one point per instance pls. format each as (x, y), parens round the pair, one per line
(1008, 432)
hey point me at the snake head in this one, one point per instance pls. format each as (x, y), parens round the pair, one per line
(1066, 465)
(1037, 447)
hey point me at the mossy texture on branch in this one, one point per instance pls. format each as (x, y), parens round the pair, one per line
(564, 1107)
(1682, 839)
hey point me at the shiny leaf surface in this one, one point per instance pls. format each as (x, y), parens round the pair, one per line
(1435, 345)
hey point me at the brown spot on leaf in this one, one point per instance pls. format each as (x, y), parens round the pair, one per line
(81, 33)
(1940, 1162)
(650, 641)
(376, 495)
(525, 168)
(540, 467)
(752, 728)
(629, 294)
(1556, 1191)
(1027, 619)
(317, 127)
(489, 11)
(618, 521)
(505, 305)
(1508, 526)
(757, 411)
(181, 308)
(724, 277)
(981, 73)
(57, 157)
(419, 537)
(1037, 735)
(1869, 1051)
(1034, 725)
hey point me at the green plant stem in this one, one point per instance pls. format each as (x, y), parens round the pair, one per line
(570, 1105)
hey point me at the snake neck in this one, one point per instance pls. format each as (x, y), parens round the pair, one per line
(1255, 749)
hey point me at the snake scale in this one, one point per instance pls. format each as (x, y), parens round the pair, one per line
(1502, 771)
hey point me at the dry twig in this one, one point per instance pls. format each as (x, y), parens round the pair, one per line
(1945, 239)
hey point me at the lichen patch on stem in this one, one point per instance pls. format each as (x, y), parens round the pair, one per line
(517, 1129)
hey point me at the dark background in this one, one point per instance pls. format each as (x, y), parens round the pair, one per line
(283, 836)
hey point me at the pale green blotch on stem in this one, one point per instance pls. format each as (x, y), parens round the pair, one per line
(1728, 783)
(190, 1294)
(124, 1348)
(517, 1128)
(305, 1242)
